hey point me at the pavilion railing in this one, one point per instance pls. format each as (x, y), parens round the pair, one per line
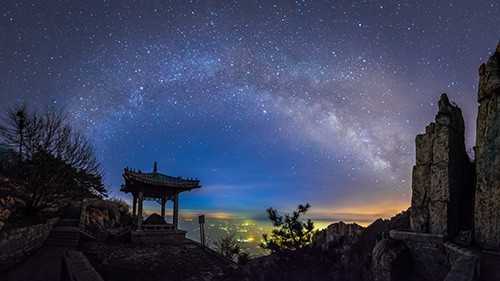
(160, 227)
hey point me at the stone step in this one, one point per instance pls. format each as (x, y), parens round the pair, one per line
(64, 232)
(64, 236)
(61, 244)
(58, 238)
(66, 228)
(68, 222)
(50, 240)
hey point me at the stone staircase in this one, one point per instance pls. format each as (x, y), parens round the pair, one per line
(68, 222)
(65, 234)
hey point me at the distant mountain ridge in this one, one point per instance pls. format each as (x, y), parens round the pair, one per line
(337, 232)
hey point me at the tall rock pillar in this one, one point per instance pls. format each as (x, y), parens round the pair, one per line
(421, 181)
(487, 197)
(442, 175)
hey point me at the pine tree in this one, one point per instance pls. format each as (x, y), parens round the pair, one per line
(290, 232)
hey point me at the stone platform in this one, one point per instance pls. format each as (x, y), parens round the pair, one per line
(158, 236)
(186, 260)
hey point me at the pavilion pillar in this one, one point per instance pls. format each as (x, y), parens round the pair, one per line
(134, 204)
(163, 202)
(176, 210)
(139, 215)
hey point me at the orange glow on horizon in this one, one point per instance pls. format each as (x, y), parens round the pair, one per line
(362, 214)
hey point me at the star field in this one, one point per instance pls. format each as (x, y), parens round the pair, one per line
(268, 103)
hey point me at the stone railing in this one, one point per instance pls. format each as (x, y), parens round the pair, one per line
(76, 267)
(416, 236)
(158, 227)
(17, 244)
(437, 259)
(464, 263)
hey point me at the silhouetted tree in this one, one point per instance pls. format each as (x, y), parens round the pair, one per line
(33, 132)
(290, 232)
(228, 246)
(243, 258)
(54, 158)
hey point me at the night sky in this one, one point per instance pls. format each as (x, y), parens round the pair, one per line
(267, 103)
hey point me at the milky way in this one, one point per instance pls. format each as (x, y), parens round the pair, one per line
(268, 103)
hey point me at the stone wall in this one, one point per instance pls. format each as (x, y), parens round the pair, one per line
(16, 244)
(424, 257)
(442, 175)
(487, 197)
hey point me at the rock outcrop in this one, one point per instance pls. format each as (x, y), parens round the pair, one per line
(336, 233)
(391, 260)
(99, 215)
(442, 175)
(10, 200)
(487, 196)
(359, 260)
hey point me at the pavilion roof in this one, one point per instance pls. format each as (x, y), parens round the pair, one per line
(160, 180)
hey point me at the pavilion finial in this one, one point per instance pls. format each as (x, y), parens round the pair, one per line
(155, 167)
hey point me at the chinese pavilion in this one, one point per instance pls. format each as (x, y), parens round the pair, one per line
(156, 187)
